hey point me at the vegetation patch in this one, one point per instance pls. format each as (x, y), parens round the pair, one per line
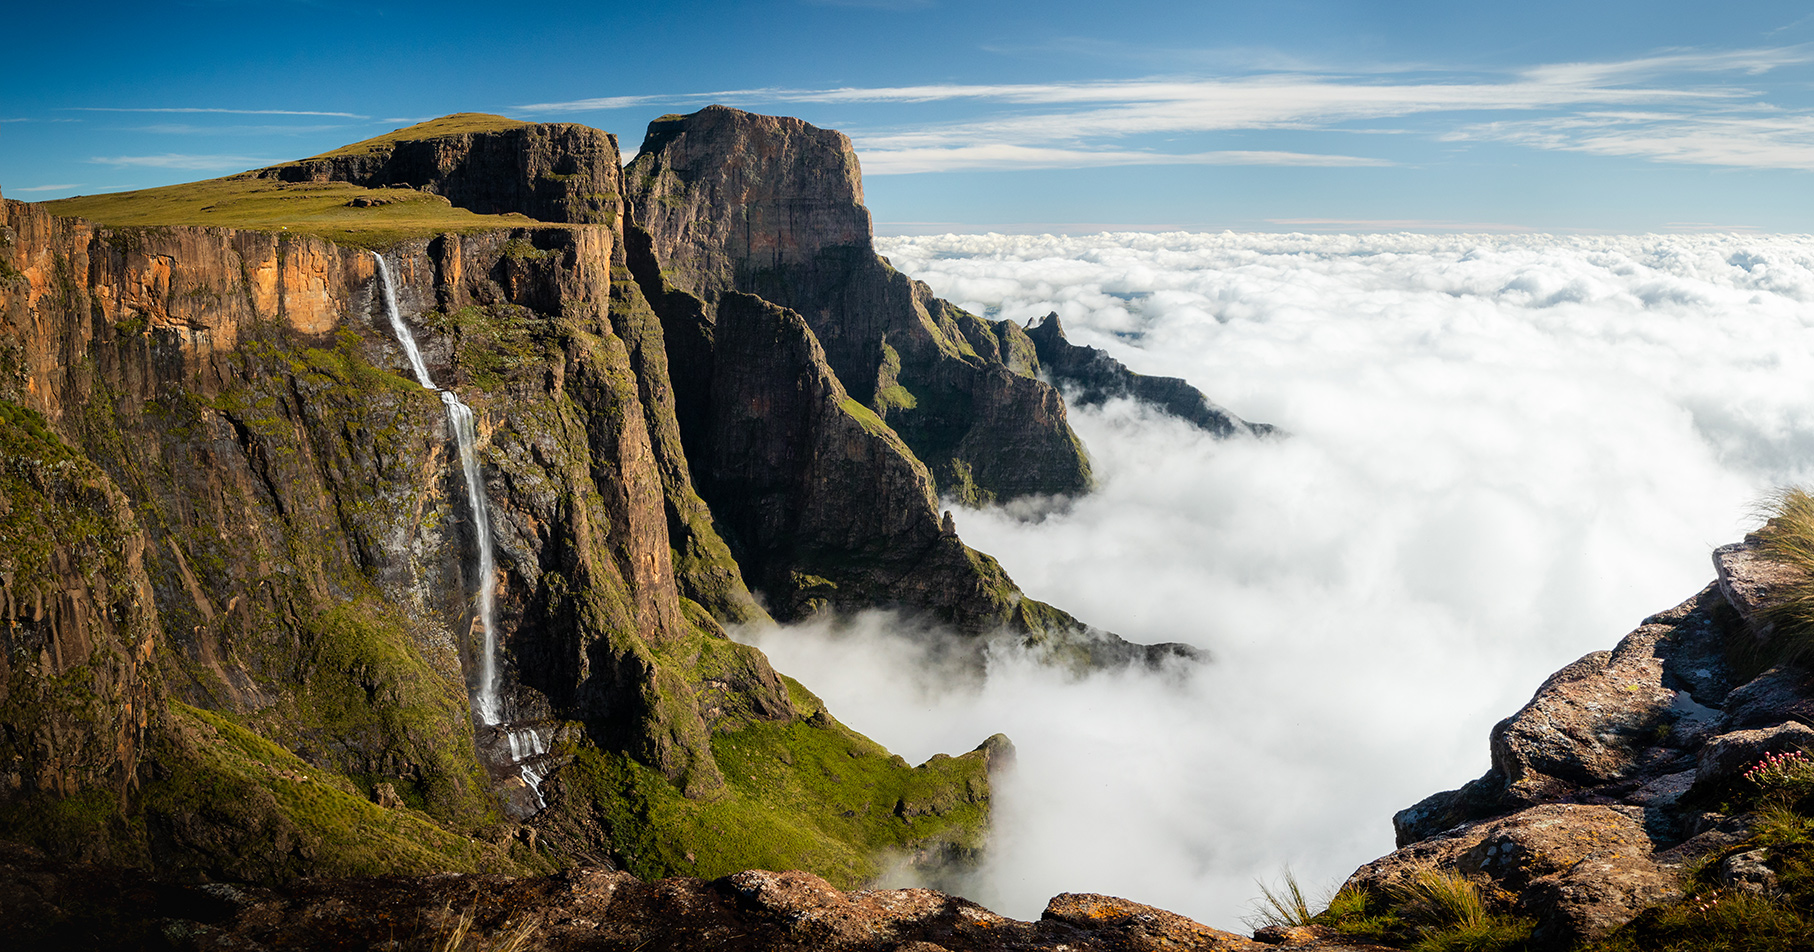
(367, 699)
(1430, 911)
(802, 794)
(212, 764)
(896, 397)
(1787, 538)
(323, 210)
(498, 344)
(460, 123)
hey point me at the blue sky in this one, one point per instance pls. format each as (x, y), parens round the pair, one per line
(1064, 116)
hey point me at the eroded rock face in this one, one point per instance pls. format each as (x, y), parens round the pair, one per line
(830, 508)
(307, 544)
(1613, 725)
(772, 206)
(78, 685)
(247, 391)
(1094, 377)
(1612, 777)
(554, 172)
(1579, 870)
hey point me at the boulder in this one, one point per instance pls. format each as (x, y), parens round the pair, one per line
(1779, 694)
(1596, 895)
(1614, 726)
(1132, 925)
(1746, 871)
(1751, 582)
(1728, 756)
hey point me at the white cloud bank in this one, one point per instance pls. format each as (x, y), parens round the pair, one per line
(1504, 453)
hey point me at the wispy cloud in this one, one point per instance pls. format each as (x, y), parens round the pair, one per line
(174, 160)
(1675, 105)
(1770, 141)
(1002, 155)
(188, 129)
(602, 103)
(48, 188)
(228, 112)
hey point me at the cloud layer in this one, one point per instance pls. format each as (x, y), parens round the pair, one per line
(1681, 106)
(1504, 453)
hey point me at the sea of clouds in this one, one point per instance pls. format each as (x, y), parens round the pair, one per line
(1503, 453)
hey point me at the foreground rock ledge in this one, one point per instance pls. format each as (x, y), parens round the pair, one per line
(51, 905)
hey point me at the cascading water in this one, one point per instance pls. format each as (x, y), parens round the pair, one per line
(525, 743)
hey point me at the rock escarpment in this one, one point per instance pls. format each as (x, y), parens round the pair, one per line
(773, 207)
(240, 573)
(724, 202)
(297, 633)
(736, 218)
(832, 507)
(1624, 770)
(1094, 377)
(552, 172)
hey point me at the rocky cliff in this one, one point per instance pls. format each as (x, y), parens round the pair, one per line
(552, 172)
(1094, 377)
(773, 207)
(243, 602)
(915, 398)
(272, 588)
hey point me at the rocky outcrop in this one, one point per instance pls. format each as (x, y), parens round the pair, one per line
(825, 400)
(773, 207)
(1616, 773)
(45, 905)
(830, 508)
(552, 172)
(1094, 377)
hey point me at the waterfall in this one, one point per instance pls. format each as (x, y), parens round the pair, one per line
(460, 420)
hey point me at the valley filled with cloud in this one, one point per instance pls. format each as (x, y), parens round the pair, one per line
(1501, 453)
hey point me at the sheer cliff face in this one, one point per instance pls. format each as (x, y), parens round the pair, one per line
(552, 172)
(826, 400)
(284, 553)
(242, 474)
(773, 207)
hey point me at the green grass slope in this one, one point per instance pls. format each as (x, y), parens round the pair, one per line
(806, 794)
(324, 210)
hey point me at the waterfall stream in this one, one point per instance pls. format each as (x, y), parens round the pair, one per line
(459, 419)
(525, 743)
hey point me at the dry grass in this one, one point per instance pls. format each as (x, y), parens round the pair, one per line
(1284, 906)
(457, 124)
(318, 209)
(1787, 538)
(515, 936)
(322, 210)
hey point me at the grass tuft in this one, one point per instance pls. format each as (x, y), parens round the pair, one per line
(1284, 905)
(1787, 538)
(1439, 899)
